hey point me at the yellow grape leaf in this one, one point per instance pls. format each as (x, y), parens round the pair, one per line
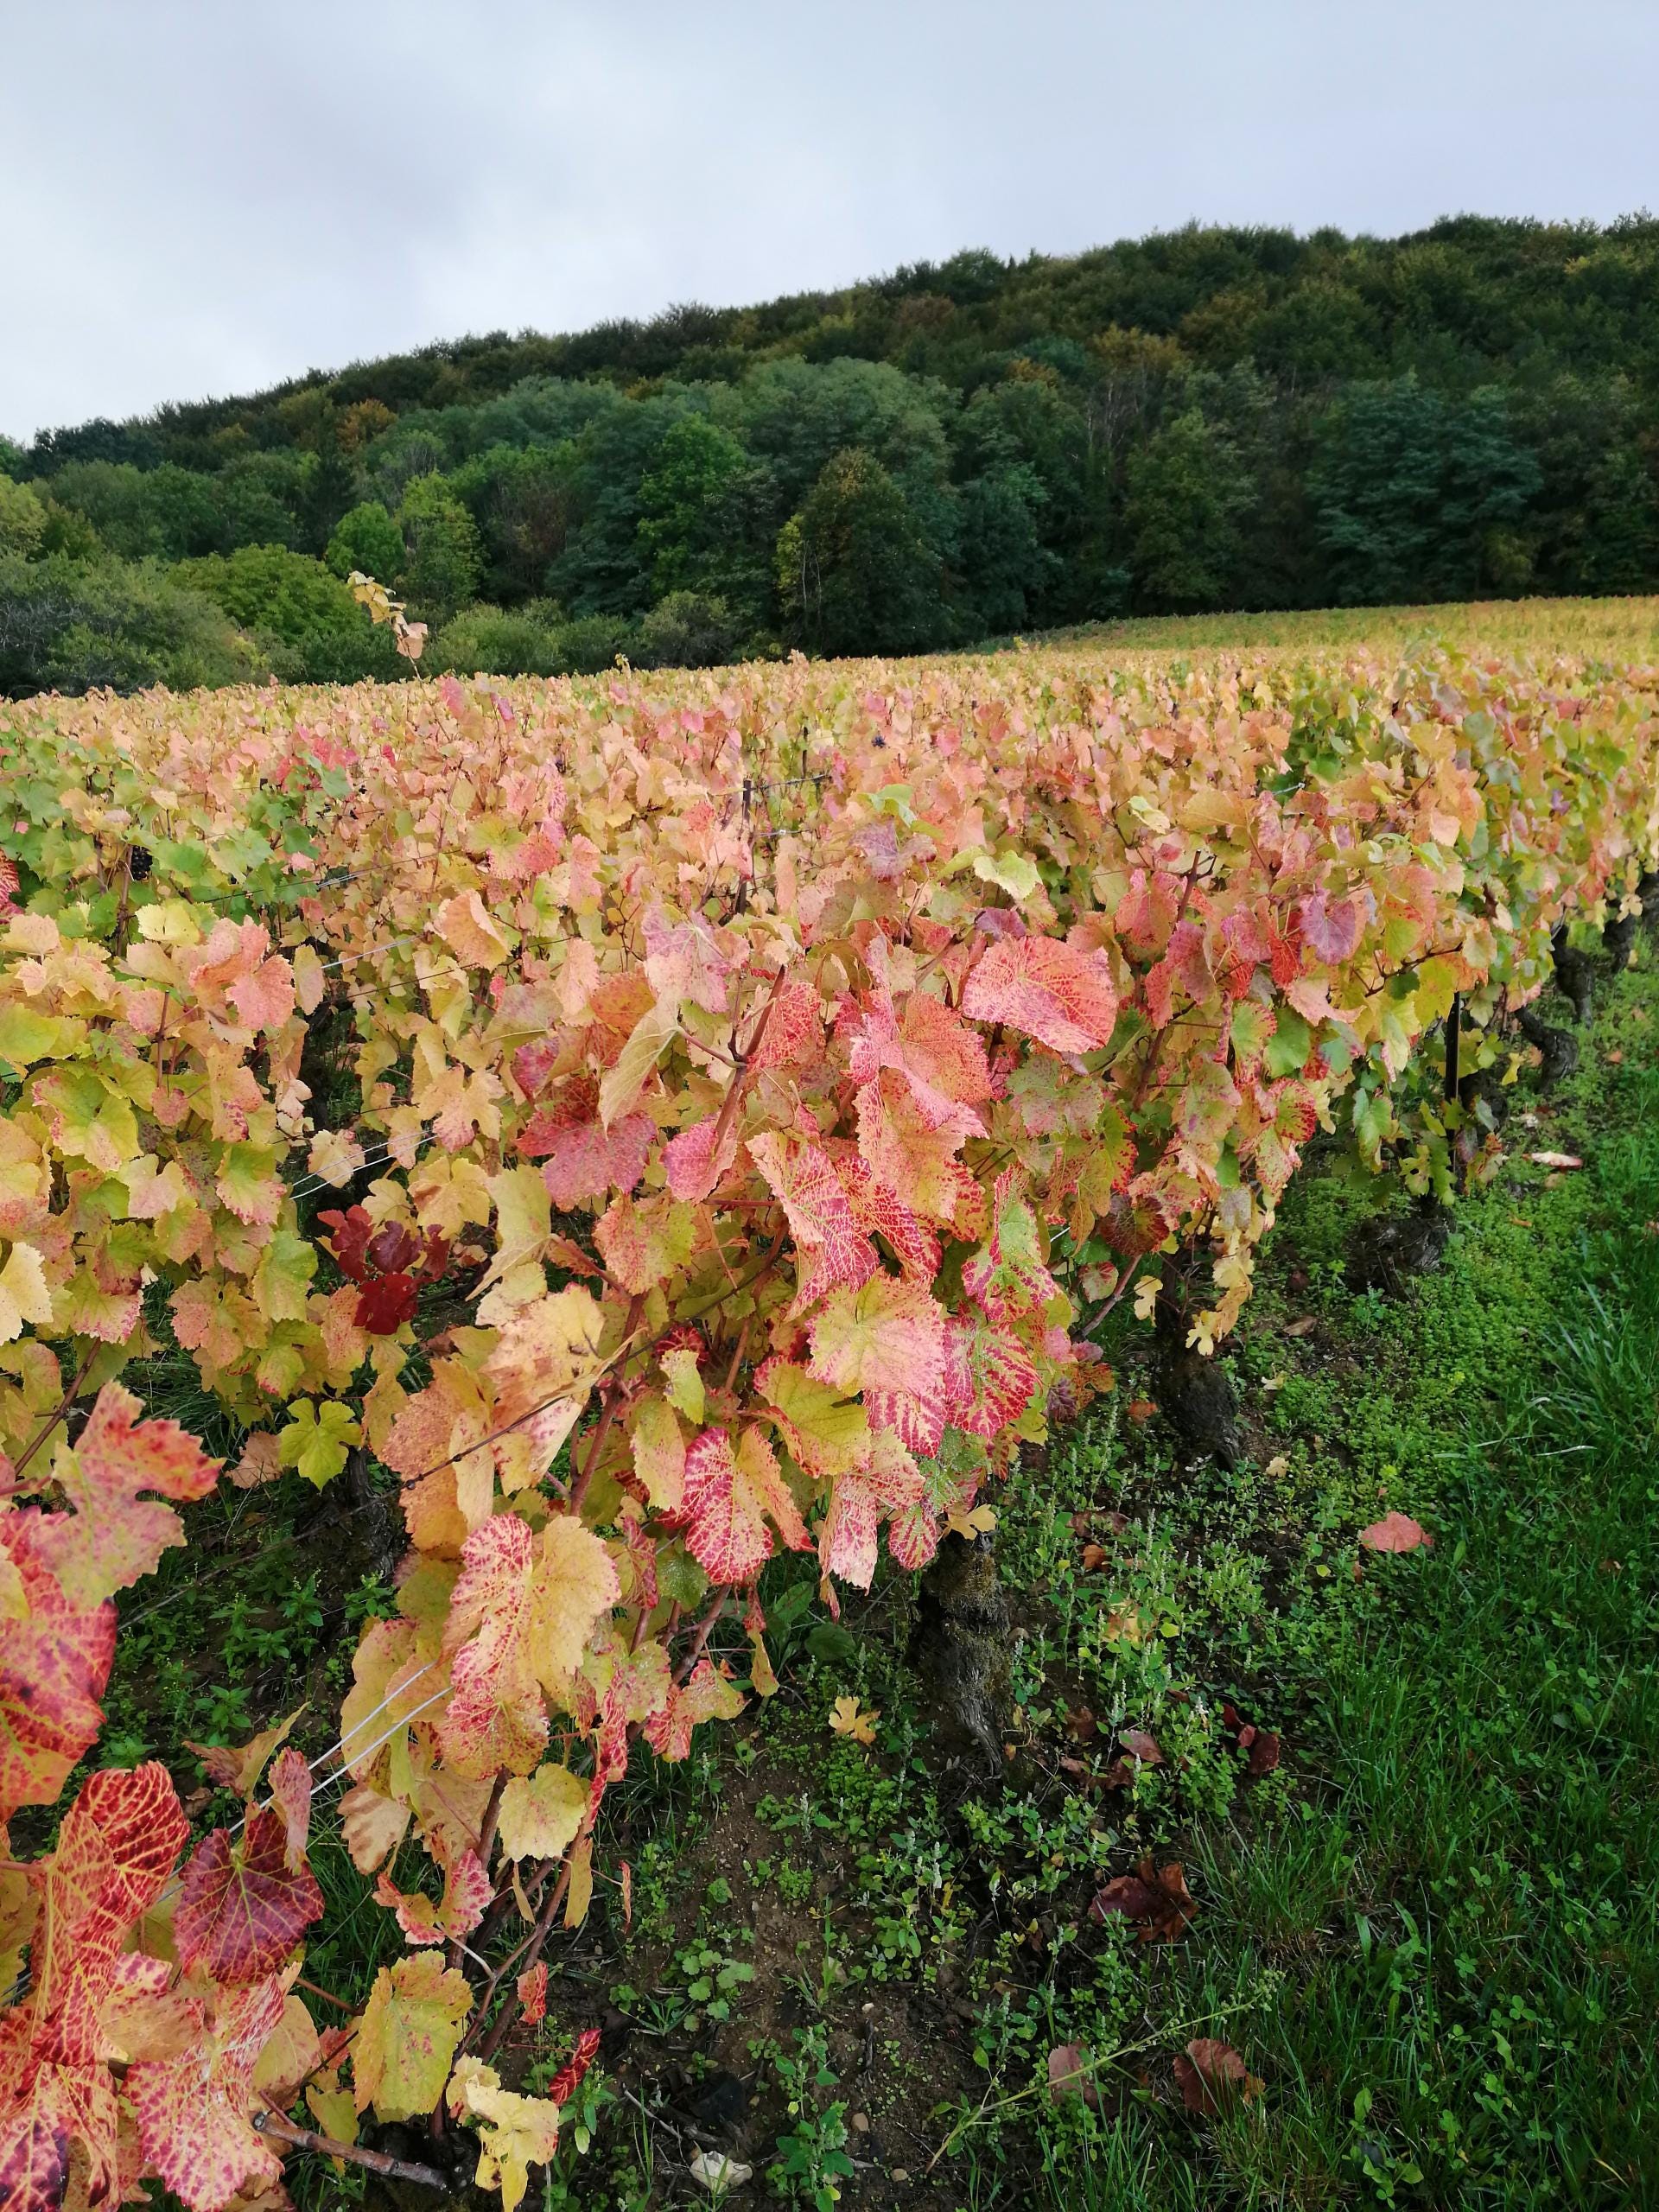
(978, 1522)
(316, 1441)
(685, 1381)
(24, 1297)
(846, 1718)
(658, 1452)
(407, 2036)
(619, 1090)
(1013, 873)
(1146, 1296)
(466, 926)
(515, 2132)
(826, 1434)
(543, 1367)
(579, 1894)
(540, 1814)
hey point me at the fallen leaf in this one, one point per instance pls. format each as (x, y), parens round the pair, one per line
(1305, 1327)
(846, 1719)
(1275, 1383)
(1070, 2075)
(1139, 1745)
(1555, 1160)
(1158, 1903)
(1141, 1409)
(1094, 1555)
(1277, 1467)
(1615, 1058)
(1395, 1531)
(1263, 1754)
(1212, 2077)
(718, 2173)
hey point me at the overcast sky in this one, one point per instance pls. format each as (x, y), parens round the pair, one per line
(204, 196)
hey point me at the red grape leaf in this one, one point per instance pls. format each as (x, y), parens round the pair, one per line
(241, 1908)
(384, 1303)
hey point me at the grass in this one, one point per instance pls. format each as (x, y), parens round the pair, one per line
(1431, 1931)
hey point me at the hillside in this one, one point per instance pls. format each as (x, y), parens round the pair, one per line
(1203, 420)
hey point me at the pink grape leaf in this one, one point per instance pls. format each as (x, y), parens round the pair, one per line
(520, 1617)
(53, 1664)
(690, 1161)
(794, 1032)
(241, 1909)
(887, 1342)
(1045, 990)
(46, 2109)
(467, 1891)
(581, 1160)
(532, 1994)
(116, 1848)
(290, 1784)
(831, 1243)
(1395, 1531)
(114, 1535)
(991, 1375)
(1332, 928)
(710, 1695)
(194, 2110)
(1071, 2075)
(729, 1497)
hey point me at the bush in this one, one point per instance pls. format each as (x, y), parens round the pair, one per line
(589, 644)
(67, 627)
(688, 629)
(485, 640)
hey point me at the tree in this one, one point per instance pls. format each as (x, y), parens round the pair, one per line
(691, 511)
(1004, 564)
(1420, 497)
(1188, 491)
(63, 627)
(368, 540)
(521, 498)
(855, 572)
(23, 518)
(444, 559)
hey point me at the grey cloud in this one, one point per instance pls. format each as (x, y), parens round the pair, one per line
(203, 198)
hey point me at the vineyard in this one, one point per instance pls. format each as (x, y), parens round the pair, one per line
(634, 1188)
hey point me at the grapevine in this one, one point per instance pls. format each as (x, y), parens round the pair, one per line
(761, 1085)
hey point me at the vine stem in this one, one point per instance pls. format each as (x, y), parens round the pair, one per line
(272, 2122)
(52, 1420)
(607, 1412)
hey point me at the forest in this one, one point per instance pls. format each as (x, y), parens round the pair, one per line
(1208, 419)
